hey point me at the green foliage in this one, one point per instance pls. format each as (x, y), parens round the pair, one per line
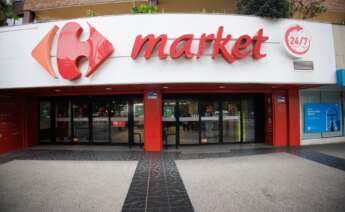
(90, 13)
(6, 11)
(281, 8)
(264, 8)
(304, 10)
(144, 8)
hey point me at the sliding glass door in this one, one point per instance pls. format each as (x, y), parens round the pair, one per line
(92, 120)
(212, 119)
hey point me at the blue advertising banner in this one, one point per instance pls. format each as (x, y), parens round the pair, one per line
(321, 118)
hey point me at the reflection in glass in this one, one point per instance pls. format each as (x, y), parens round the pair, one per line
(231, 121)
(138, 113)
(189, 122)
(80, 122)
(45, 125)
(169, 122)
(209, 122)
(248, 113)
(119, 121)
(100, 122)
(62, 121)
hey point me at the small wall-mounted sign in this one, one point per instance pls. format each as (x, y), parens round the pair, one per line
(152, 95)
(303, 65)
(281, 99)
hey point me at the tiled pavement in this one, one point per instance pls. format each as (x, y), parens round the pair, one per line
(157, 185)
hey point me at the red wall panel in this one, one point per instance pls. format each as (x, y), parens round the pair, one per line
(18, 122)
(280, 118)
(294, 117)
(153, 122)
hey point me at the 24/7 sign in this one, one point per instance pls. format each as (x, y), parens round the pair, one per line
(297, 41)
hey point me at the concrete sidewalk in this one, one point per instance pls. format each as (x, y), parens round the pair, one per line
(270, 182)
(40, 185)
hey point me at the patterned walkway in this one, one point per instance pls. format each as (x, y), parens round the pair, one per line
(157, 184)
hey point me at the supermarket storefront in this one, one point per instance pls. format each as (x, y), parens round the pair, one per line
(157, 80)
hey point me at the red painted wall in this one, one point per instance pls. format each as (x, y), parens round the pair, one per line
(18, 123)
(11, 124)
(153, 122)
(294, 117)
(280, 119)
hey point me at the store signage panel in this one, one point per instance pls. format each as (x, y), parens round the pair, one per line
(123, 50)
(98, 48)
(321, 118)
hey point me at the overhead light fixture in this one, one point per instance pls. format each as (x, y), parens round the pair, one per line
(165, 87)
(108, 89)
(222, 86)
(57, 90)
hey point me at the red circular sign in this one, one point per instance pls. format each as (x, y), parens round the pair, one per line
(297, 41)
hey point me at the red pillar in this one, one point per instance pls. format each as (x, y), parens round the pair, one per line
(294, 117)
(152, 121)
(280, 118)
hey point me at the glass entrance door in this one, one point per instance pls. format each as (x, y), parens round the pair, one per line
(212, 119)
(45, 122)
(80, 111)
(119, 114)
(100, 122)
(210, 122)
(169, 122)
(63, 125)
(231, 121)
(138, 122)
(188, 121)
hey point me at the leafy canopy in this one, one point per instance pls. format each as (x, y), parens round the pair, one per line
(281, 8)
(144, 8)
(6, 11)
(264, 8)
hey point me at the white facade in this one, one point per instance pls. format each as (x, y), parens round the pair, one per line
(19, 70)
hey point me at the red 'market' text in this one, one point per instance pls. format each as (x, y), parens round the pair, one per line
(243, 47)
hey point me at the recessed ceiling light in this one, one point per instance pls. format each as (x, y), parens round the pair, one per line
(108, 89)
(222, 86)
(165, 87)
(57, 90)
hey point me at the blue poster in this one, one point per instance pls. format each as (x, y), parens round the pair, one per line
(321, 118)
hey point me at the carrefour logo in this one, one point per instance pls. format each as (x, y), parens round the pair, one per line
(97, 48)
(70, 50)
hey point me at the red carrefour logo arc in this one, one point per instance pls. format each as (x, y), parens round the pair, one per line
(97, 48)
(70, 50)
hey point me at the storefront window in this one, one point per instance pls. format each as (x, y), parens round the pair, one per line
(322, 114)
